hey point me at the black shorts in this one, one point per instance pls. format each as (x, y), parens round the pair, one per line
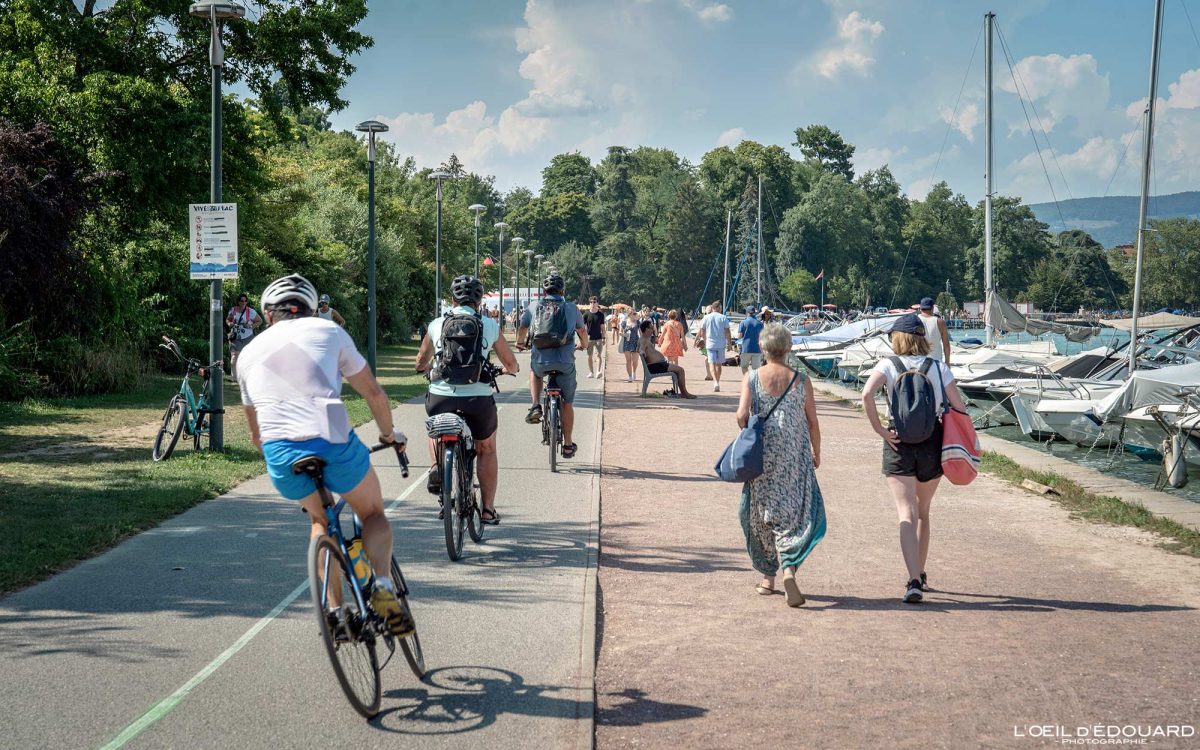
(479, 412)
(920, 460)
(658, 368)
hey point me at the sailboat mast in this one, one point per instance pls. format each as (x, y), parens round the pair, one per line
(989, 18)
(725, 284)
(760, 258)
(1147, 144)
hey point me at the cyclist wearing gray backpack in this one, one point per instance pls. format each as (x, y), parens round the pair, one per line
(557, 330)
(454, 351)
(917, 387)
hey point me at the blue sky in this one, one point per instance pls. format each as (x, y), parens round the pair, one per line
(508, 84)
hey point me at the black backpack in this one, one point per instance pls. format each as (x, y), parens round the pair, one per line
(550, 327)
(913, 402)
(460, 352)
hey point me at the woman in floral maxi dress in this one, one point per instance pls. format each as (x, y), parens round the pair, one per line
(782, 511)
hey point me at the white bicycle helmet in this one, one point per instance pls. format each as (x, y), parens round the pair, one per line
(294, 288)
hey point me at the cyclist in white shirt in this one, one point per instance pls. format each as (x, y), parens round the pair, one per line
(291, 381)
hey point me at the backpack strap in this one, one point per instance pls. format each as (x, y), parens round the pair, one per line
(898, 363)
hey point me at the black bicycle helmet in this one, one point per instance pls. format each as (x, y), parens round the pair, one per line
(466, 290)
(554, 284)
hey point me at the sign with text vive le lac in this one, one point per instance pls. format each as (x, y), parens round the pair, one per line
(213, 250)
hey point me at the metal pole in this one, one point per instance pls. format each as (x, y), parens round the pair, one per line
(1147, 145)
(371, 311)
(216, 312)
(987, 173)
(437, 256)
(477, 245)
(500, 271)
(758, 301)
(725, 283)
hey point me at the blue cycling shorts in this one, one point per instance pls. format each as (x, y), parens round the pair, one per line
(346, 464)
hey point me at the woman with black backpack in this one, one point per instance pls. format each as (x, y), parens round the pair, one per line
(917, 389)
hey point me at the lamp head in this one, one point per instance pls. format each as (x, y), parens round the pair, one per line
(222, 11)
(371, 126)
(440, 175)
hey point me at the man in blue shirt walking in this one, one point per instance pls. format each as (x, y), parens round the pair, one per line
(751, 353)
(559, 359)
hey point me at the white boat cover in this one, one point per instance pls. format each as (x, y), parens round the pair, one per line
(1155, 322)
(1145, 387)
(855, 330)
(1003, 317)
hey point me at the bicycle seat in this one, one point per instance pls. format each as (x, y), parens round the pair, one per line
(552, 381)
(313, 466)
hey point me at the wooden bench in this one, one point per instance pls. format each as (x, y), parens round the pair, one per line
(647, 376)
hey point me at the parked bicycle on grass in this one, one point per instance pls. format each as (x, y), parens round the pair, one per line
(186, 413)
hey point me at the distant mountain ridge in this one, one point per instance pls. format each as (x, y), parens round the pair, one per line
(1112, 220)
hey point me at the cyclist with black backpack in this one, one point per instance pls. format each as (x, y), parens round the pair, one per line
(557, 331)
(918, 388)
(454, 352)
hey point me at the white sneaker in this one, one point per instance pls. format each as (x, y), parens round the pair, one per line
(590, 374)
(716, 387)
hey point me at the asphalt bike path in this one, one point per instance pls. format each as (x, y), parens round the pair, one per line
(201, 632)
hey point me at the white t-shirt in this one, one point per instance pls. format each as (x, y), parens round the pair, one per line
(244, 320)
(913, 362)
(292, 373)
(933, 334)
(716, 330)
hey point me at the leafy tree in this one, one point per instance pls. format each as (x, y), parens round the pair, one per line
(830, 229)
(1172, 258)
(454, 167)
(551, 222)
(616, 201)
(569, 173)
(935, 238)
(946, 303)
(825, 148)
(798, 288)
(693, 234)
(1019, 241)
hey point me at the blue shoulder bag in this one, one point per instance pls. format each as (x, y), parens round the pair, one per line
(742, 460)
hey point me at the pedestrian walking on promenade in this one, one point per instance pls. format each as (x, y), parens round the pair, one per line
(749, 353)
(671, 340)
(629, 344)
(782, 511)
(714, 336)
(936, 332)
(593, 320)
(912, 467)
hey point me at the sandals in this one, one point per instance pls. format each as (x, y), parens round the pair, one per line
(489, 516)
(534, 415)
(792, 589)
(765, 591)
(568, 450)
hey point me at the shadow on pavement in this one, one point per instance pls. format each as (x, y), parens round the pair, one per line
(627, 473)
(466, 698)
(991, 602)
(638, 709)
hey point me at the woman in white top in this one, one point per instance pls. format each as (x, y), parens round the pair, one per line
(912, 470)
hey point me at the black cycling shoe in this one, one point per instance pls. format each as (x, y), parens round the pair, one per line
(338, 626)
(534, 415)
(433, 482)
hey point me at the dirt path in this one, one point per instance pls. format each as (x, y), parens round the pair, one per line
(1038, 619)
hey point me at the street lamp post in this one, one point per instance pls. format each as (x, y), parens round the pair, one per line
(371, 127)
(529, 275)
(539, 258)
(500, 227)
(216, 12)
(517, 269)
(437, 253)
(478, 208)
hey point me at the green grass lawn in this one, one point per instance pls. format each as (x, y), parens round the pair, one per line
(76, 475)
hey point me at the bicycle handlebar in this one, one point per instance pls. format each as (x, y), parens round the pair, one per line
(400, 454)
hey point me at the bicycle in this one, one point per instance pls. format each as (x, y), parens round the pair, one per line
(186, 414)
(456, 465)
(351, 631)
(552, 434)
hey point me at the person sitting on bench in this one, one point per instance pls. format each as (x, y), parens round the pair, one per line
(656, 363)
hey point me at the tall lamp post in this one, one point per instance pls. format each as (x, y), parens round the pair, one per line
(371, 127)
(500, 227)
(216, 12)
(517, 241)
(538, 258)
(529, 276)
(478, 208)
(437, 253)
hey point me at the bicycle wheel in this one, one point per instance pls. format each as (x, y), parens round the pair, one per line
(411, 646)
(474, 507)
(353, 655)
(452, 519)
(172, 427)
(554, 435)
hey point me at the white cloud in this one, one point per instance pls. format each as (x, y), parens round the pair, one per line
(856, 37)
(710, 13)
(866, 159)
(964, 121)
(1185, 93)
(1061, 87)
(731, 137)
(918, 189)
